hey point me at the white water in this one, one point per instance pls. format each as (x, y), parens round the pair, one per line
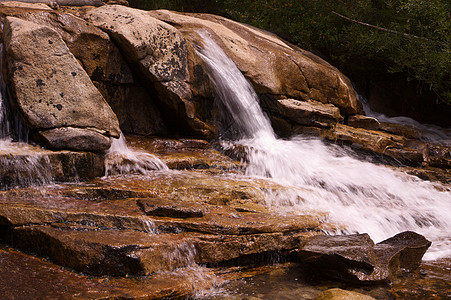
(428, 132)
(359, 195)
(120, 159)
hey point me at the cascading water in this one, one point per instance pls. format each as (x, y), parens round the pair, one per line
(359, 195)
(120, 159)
(431, 133)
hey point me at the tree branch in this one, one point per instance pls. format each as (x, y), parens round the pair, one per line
(382, 29)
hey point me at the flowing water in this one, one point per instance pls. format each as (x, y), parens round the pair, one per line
(120, 159)
(359, 195)
(428, 132)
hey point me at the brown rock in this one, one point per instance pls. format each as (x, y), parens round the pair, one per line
(33, 165)
(179, 210)
(272, 65)
(407, 156)
(103, 62)
(49, 85)
(339, 294)
(406, 131)
(338, 256)
(310, 113)
(365, 139)
(27, 277)
(38, 4)
(364, 122)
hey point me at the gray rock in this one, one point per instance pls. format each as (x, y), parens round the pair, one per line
(50, 87)
(364, 122)
(161, 53)
(80, 139)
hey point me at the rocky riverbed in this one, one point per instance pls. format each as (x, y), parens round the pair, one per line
(206, 201)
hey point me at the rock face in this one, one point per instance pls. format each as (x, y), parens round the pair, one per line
(161, 53)
(51, 88)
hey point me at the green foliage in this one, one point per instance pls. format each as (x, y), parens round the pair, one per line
(404, 36)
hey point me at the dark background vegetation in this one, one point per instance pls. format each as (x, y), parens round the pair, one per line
(397, 52)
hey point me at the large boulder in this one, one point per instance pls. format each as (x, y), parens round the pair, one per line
(49, 86)
(163, 56)
(107, 68)
(355, 257)
(273, 66)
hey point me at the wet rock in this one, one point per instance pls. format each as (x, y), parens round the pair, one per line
(49, 85)
(310, 113)
(273, 66)
(364, 122)
(409, 249)
(356, 258)
(339, 294)
(406, 131)
(27, 165)
(335, 256)
(365, 139)
(75, 139)
(183, 211)
(438, 156)
(406, 156)
(27, 277)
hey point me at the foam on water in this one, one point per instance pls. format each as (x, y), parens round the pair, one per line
(362, 196)
(120, 159)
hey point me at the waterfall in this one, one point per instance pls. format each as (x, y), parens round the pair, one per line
(120, 159)
(358, 195)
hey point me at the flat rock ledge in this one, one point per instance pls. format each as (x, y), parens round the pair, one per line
(24, 165)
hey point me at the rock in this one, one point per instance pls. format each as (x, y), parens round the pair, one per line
(406, 131)
(364, 122)
(193, 220)
(156, 208)
(434, 155)
(42, 5)
(365, 139)
(27, 277)
(335, 256)
(410, 248)
(356, 258)
(310, 113)
(103, 62)
(78, 139)
(339, 294)
(49, 85)
(405, 156)
(273, 66)
(438, 156)
(28, 165)
(161, 53)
